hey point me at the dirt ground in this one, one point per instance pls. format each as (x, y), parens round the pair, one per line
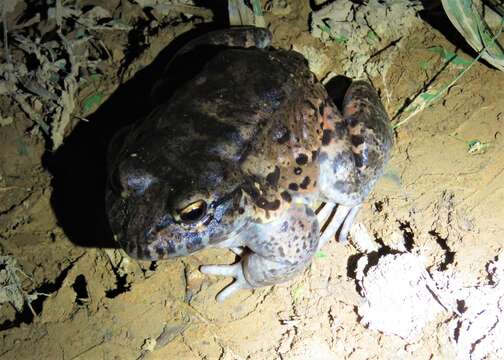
(437, 200)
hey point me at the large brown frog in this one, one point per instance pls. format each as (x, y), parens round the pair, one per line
(240, 156)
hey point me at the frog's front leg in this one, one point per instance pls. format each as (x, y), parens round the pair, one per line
(355, 148)
(275, 252)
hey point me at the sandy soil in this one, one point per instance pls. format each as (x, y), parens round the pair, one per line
(436, 200)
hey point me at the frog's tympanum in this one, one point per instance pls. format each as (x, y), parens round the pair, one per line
(240, 156)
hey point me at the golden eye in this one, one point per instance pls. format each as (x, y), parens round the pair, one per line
(193, 212)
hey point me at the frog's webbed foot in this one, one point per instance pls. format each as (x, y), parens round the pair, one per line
(333, 217)
(235, 271)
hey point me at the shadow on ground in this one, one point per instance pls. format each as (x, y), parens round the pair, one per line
(79, 166)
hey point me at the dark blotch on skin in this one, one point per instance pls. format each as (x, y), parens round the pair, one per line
(281, 251)
(314, 155)
(284, 138)
(272, 178)
(356, 140)
(261, 202)
(311, 106)
(340, 130)
(326, 137)
(273, 205)
(373, 158)
(241, 211)
(344, 187)
(304, 184)
(160, 251)
(358, 161)
(286, 196)
(321, 108)
(351, 121)
(302, 159)
(298, 171)
(293, 187)
(252, 191)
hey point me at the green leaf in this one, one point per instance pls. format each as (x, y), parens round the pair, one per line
(427, 96)
(371, 37)
(449, 56)
(473, 143)
(256, 6)
(340, 39)
(320, 254)
(325, 28)
(92, 101)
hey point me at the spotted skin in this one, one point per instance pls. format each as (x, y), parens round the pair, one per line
(355, 146)
(238, 157)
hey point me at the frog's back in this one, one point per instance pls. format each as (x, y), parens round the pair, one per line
(255, 108)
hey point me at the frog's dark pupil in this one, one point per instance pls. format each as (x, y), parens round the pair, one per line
(193, 214)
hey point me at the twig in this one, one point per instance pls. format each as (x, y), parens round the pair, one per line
(7, 188)
(67, 98)
(5, 37)
(457, 78)
(88, 350)
(31, 113)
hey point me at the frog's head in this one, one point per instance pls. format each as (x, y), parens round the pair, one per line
(160, 207)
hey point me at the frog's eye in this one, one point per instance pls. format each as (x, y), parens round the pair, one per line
(193, 212)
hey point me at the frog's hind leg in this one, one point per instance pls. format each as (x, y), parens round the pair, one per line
(355, 147)
(275, 252)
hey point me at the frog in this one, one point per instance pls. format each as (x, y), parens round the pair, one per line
(250, 154)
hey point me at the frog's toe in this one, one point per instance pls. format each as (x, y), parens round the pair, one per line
(331, 220)
(333, 224)
(235, 270)
(348, 222)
